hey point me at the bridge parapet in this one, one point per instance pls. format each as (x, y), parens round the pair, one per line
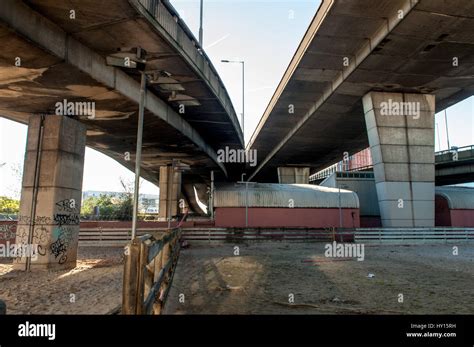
(172, 27)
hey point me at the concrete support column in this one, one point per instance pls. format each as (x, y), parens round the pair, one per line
(51, 191)
(170, 191)
(400, 128)
(288, 175)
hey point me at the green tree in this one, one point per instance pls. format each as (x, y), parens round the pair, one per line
(125, 204)
(103, 202)
(9, 205)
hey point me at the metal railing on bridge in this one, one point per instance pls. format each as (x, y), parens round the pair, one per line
(344, 166)
(459, 150)
(168, 18)
(148, 271)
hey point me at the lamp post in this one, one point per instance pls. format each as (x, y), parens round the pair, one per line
(200, 25)
(246, 198)
(243, 91)
(136, 61)
(446, 125)
(138, 156)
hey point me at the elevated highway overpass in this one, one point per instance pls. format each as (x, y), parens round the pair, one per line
(370, 73)
(56, 52)
(453, 166)
(350, 49)
(63, 56)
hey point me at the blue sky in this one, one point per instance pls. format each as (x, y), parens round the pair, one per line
(265, 34)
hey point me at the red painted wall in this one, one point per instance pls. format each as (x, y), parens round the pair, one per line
(442, 213)
(444, 217)
(370, 222)
(128, 224)
(462, 218)
(286, 217)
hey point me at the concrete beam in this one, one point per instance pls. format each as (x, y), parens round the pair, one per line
(291, 175)
(170, 191)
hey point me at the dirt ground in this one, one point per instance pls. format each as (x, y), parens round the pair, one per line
(260, 280)
(93, 287)
(263, 277)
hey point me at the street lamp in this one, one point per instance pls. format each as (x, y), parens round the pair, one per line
(243, 90)
(246, 197)
(136, 61)
(200, 25)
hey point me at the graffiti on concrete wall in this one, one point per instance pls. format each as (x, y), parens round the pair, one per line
(7, 231)
(66, 219)
(39, 220)
(41, 238)
(64, 238)
(22, 234)
(53, 234)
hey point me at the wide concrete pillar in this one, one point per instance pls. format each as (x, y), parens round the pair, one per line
(289, 174)
(400, 129)
(170, 191)
(51, 191)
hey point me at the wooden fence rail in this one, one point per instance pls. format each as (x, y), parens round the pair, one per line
(150, 262)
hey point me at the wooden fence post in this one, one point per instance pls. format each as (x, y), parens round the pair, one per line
(143, 276)
(131, 269)
(148, 276)
(158, 264)
(164, 260)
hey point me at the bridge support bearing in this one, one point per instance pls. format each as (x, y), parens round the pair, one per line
(289, 175)
(400, 129)
(51, 192)
(170, 191)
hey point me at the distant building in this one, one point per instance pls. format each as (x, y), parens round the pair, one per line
(97, 193)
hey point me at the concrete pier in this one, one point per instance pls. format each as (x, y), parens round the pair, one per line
(400, 128)
(51, 191)
(170, 191)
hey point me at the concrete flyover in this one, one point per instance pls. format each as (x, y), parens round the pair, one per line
(61, 49)
(455, 166)
(451, 167)
(55, 78)
(352, 48)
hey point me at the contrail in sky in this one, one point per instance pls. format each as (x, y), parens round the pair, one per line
(216, 42)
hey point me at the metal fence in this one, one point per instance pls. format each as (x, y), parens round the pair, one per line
(410, 235)
(344, 166)
(120, 236)
(99, 236)
(456, 149)
(256, 234)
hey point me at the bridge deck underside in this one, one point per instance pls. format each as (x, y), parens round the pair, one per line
(109, 25)
(44, 78)
(415, 57)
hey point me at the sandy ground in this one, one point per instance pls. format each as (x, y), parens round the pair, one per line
(261, 279)
(93, 287)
